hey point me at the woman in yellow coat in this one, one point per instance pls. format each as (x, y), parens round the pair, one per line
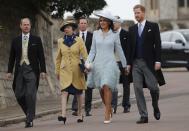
(72, 80)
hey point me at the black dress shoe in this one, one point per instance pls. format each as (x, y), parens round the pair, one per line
(155, 98)
(60, 118)
(28, 124)
(142, 120)
(157, 114)
(126, 110)
(74, 113)
(88, 114)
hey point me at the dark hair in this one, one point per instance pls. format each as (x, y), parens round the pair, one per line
(111, 24)
(141, 7)
(83, 18)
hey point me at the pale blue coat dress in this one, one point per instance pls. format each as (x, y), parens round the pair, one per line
(104, 69)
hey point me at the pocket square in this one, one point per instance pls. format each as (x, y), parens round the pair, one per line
(149, 30)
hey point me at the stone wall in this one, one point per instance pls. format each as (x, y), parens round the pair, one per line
(168, 10)
(9, 29)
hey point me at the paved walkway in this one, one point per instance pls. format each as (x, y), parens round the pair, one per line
(173, 105)
(49, 106)
(177, 85)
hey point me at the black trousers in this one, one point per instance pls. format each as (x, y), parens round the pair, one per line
(25, 91)
(88, 100)
(126, 90)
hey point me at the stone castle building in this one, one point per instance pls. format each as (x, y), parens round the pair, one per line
(171, 14)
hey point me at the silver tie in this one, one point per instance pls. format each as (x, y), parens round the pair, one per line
(140, 29)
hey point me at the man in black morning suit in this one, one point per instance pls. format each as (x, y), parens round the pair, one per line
(145, 58)
(27, 56)
(124, 79)
(87, 37)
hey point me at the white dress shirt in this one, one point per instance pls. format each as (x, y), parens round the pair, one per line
(81, 34)
(143, 24)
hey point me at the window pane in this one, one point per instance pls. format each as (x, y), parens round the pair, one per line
(181, 3)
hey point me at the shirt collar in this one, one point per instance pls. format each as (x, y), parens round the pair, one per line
(119, 30)
(80, 32)
(143, 23)
(28, 35)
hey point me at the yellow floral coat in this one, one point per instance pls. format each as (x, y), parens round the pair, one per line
(67, 63)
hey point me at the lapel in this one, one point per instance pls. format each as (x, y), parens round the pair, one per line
(29, 44)
(20, 45)
(144, 32)
(30, 41)
(135, 33)
(87, 38)
(120, 34)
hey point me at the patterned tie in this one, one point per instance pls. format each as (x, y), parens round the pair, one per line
(140, 29)
(83, 36)
(25, 40)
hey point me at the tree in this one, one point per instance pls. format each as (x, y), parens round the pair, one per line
(79, 7)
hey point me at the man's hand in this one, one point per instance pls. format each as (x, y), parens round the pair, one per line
(127, 70)
(157, 66)
(8, 76)
(43, 75)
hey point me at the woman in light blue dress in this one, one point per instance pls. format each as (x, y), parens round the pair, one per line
(101, 62)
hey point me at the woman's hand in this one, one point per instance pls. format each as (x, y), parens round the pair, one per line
(86, 71)
(88, 67)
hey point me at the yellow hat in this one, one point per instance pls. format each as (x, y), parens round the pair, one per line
(68, 23)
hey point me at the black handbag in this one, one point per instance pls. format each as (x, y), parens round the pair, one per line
(82, 66)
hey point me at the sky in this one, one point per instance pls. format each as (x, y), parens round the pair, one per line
(122, 8)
